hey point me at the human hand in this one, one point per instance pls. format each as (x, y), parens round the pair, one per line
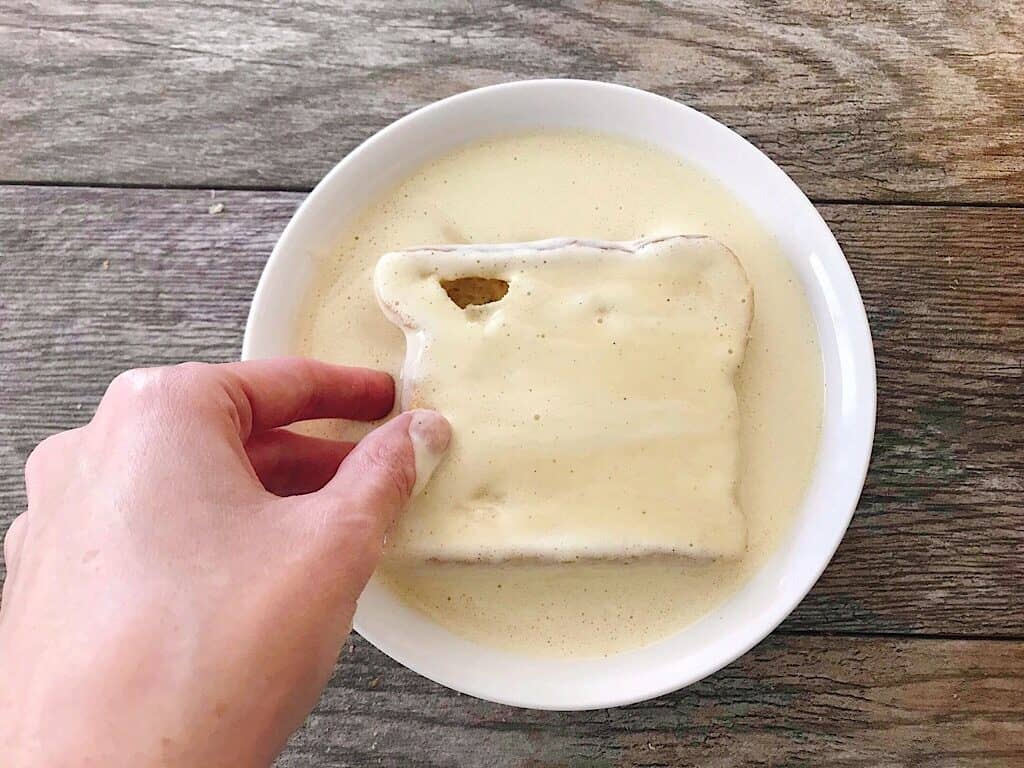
(179, 589)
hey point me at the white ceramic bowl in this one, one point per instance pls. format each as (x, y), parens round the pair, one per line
(849, 412)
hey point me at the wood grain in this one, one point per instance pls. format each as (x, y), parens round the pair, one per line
(861, 100)
(942, 514)
(93, 281)
(791, 701)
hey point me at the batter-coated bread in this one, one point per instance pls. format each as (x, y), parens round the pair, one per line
(592, 397)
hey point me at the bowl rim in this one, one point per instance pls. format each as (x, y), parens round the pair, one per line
(857, 326)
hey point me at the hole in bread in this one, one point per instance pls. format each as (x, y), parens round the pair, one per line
(475, 291)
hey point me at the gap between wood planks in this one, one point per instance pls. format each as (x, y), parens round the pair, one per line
(884, 635)
(298, 189)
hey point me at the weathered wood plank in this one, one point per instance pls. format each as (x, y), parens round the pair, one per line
(862, 100)
(93, 281)
(831, 701)
(944, 501)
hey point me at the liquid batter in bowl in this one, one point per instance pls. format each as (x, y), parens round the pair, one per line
(536, 186)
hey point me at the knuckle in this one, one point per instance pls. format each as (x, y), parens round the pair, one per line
(152, 386)
(44, 451)
(191, 373)
(390, 470)
(13, 535)
(36, 459)
(138, 384)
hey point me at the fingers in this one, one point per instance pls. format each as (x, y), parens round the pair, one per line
(274, 393)
(372, 485)
(289, 464)
(258, 394)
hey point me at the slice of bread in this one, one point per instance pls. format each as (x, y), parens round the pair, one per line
(591, 391)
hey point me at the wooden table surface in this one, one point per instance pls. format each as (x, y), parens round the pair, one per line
(120, 122)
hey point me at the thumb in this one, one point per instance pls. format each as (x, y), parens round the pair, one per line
(372, 486)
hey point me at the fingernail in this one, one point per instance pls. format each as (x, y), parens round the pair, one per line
(429, 433)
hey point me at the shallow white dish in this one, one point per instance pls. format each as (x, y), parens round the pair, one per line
(848, 361)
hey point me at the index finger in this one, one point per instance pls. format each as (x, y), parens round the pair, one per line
(279, 391)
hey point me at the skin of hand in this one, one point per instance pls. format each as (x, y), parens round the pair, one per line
(181, 584)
